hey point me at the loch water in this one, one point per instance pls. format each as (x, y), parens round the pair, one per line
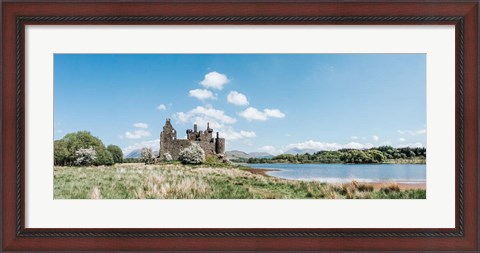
(341, 173)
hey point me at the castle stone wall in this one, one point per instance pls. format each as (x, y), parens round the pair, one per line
(178, 146)
(208, 147)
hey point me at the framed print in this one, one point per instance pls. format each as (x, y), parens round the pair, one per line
(240, 126)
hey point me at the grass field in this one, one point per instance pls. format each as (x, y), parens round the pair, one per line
(176, 181)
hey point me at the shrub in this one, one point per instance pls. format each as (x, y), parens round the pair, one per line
(85, 156)
(194, 154)
(104, 157)
(116, 152)
(147, 156)
(167, 157)
(211, 159)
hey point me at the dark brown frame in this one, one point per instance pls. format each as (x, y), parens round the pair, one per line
(464, 15)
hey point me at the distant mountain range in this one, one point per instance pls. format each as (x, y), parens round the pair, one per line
(137, 153)
(236, 154)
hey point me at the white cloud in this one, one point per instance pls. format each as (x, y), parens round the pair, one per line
(354, 137)
(207, 113)
(412, 132)
(375, 138)
(422, 131)
(274, 113)
(214, 113)
(248, 134)
(271, 150)
(201, 94)
(357, 145)
(402, 139)
(230, 134)
(237, 98)
(203, 121)
(214, 80)
(137, 134)
(411, 145)
(182, 117)
(153, 144)
(161, 107)
(252, 113)
(310, 144)
(141, 125)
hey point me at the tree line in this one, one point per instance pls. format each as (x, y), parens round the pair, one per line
(84, 149)
(373, 155)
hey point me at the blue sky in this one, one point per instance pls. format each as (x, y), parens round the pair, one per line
(258, 102)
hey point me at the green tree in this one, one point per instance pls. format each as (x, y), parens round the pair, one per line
(376, 156)
(65, 150)
(104, 157)
(82, 139)
(116, 152)
(356, 156)
(61, 154)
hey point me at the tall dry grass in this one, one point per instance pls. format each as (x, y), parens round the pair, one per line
(174, 181)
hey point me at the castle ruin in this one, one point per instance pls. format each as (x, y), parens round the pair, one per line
(171, 145)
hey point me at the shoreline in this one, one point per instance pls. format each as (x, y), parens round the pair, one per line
(422, 163)
(402, 186)
(262, 172)
(376, 185)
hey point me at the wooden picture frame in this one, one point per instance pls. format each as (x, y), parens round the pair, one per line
(16, 14)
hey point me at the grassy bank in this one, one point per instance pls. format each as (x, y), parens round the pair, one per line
(415, 160)
(176, 181)
(375, 155)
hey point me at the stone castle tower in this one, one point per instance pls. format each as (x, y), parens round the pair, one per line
(171, 145)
